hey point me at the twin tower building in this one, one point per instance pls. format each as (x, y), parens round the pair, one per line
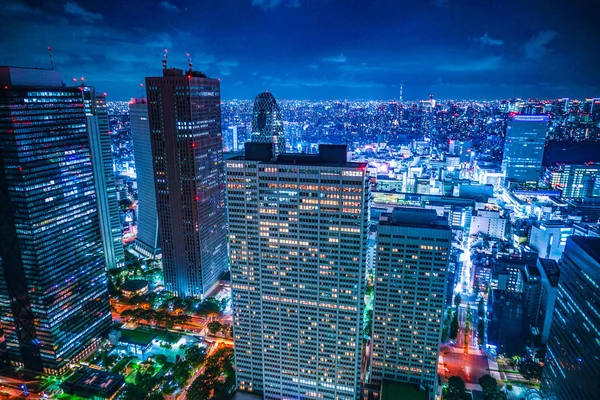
(292, 229)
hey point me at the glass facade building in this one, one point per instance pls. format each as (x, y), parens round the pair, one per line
(184, 114)
(104, 178)
(54, 305)
(572, 368)
(524, 148)
(267, 125)
(298, 243)
(413, 249)
(147, 241)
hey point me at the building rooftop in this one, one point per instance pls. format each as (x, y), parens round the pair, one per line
(402, 391)
(133, 285)
(551, 270)
(591, 245)
(414, 217)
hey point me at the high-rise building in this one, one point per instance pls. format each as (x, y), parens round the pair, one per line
(146, 241)
(54, 305)
(184, 114)
(104, 178)
(572, 368)
(267, 125)
(576, 181)
(550, 275)
(413, 252)
(549, 238)
(524, 148)
(298, 241)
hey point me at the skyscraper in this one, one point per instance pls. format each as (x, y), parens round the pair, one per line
(146, 241)
(413, 249)
(298, 241)
(104, 178)
(572, 368)
(267, 125)
(524, 148)
(184, 113)
(54, 304)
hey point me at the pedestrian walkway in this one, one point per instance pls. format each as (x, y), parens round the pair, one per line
(494, 372)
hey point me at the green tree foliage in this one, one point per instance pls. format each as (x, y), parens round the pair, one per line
(530, 370)
(210, 307)
(218, 379)
(457, 299)
(457, 389)
(195, 356)
(454, 327)
(368, 323)
(160, 359)
(490, 389)
(214, 327)
(480, 332)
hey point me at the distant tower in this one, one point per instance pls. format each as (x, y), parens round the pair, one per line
(267, 125)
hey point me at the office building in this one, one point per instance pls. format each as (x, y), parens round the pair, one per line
(267, 125)
(549, 238)
(298, 227)
(576, 181)
(490, 223)
(524, 148)
(550, 275)
(147, 241)
(572, 368)
(184, 114)
(54, 305)
(410, 286)
(104, 178)
(531, 282)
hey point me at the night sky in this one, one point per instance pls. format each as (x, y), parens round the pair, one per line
(318, 49)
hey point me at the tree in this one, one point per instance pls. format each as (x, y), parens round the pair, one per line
(160, 359)
(214, 327)
(457, 299)
(368, 324)
(480, 308)
(195, 356)
(454, 327)
(480, 332)
(457, 389)
(490, 389)
(182, 372)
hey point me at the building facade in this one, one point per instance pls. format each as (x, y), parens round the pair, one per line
(104, 178)
(54, 305)
(550, 275)
(298, 241)
(184, 115)
(549, 238)
(267, 125)
(524, 148)
(147, 240)
(572, 368)
(576, 181)
(413, 252)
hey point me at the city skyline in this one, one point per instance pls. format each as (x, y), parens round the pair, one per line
(330, 50)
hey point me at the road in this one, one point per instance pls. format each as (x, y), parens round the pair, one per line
(183, 394)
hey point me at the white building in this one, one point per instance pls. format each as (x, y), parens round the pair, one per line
(298, 242)
(410, 285)
(489, 222)
(549, 238)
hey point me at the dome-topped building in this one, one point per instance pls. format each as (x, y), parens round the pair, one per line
(267, 125)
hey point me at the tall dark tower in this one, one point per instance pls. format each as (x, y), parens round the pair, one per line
(184, 114)
(54, 305)
(267, 125)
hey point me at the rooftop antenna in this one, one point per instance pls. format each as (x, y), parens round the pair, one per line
(189, 61)
(51, 62)
(164, 60)
(401, 87)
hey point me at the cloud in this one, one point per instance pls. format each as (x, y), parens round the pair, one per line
(340, 58)
(485, 64)
(489, 41)
(336, 82)
(74, 9)
(225, 66)
(535, 47)
(168, 6)
(17, 8)
(275, 3)
(313, 66)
